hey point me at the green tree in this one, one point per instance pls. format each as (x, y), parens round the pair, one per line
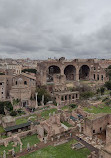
(108, 72)
(87, 95)
(43, 91)
(2, 108)
(30, 70)
(108, 85)
(102, 90)
(13, 113)
(73, 105)
(7, 105)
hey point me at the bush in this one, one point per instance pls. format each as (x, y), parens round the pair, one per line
(30, 70)
(13, 113)
(98, 98)
(73, 105)
(43, 91)
(87, 95)
(1, 73)
(16, 101)
(108, 85)
(100, 90)
(19, 111)
(108, 102)
(7, 105)
(108, 72)
(105, 99)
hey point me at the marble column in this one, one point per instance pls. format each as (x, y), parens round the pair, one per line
(36, 101)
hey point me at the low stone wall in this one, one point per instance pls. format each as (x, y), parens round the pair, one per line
(2, 141)
(64, 126)
(36, 112)
(20, 135)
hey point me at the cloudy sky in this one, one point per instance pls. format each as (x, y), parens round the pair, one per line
(39, 29)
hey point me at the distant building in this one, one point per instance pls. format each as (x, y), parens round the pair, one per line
(17, 68)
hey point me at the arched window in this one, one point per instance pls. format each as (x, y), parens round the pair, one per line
(25, 82)
(94, 76)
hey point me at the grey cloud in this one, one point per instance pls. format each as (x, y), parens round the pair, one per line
(54, 28)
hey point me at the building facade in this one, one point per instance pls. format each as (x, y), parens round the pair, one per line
(71, 70)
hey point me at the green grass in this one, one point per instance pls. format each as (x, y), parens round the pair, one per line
(1, 130)
(25, 119)
(4, 136)
(67, 124)
(45, 113)
(107, 92)
(61, 151)
(96, 110)
(21, 120)
(65, 107)
(29, 139)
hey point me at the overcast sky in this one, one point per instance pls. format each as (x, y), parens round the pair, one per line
(39, 29)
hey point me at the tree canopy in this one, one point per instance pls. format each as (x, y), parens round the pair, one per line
(43, 91)
(30, 70)
(7, 105)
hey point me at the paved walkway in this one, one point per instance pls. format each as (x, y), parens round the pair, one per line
(89, 146)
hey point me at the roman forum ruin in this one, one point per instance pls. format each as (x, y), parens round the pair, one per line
(58, 101)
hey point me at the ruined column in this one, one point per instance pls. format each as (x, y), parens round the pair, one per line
(63, 97)
(42, 100)
(45, 140)
(36, 101)
(13, 152)
(4, 154)
(77, 73)
(20, 147)
(28, 146)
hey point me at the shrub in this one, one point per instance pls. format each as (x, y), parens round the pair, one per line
(7, 105)
(108, 85)
(30, 70)
(15, 102)
(73, 105)
(108, 102)
(13, 113)
(86, 94)
(19, 111)
(43, 91)
(105, 99)
(102, 90)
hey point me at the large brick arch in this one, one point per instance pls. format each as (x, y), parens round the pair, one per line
(70, 72)
(84, 72)
(52, 70)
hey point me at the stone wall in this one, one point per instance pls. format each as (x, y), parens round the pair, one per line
(20, 135)
(108, 134)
